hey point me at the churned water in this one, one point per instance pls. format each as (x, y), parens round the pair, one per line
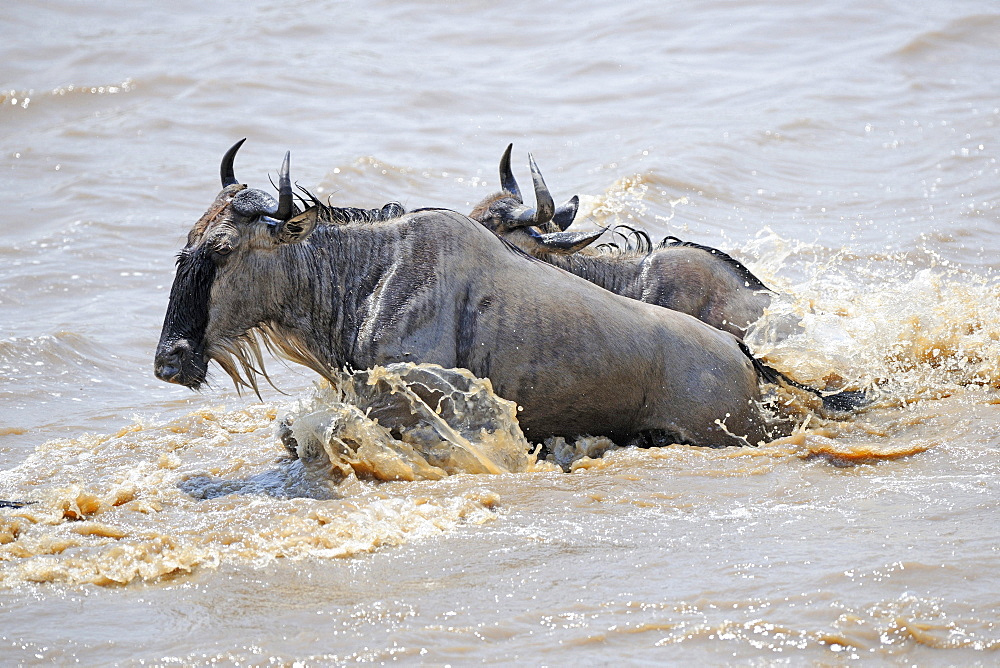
(846, 152)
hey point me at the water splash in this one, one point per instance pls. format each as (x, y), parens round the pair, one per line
(158, 500)
(408, 422)
(877, 324)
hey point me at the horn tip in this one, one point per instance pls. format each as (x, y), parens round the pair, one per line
(226, 169)
(283, 175)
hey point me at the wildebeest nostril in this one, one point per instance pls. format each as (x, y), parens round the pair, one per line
(166, 370)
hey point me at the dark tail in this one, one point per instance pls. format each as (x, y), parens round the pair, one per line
(843, 401)
(14, 504)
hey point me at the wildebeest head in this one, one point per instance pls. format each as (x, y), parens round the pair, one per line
(227, 251)
(538, 230)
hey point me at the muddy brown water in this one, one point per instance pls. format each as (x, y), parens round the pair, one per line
(846, 153)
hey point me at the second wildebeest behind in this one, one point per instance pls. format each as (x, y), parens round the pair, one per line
(434, 286)
(700, 281)
(694, 279)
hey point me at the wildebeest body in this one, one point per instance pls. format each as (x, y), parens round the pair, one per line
(436, 287)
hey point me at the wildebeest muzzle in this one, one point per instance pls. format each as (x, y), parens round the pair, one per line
(178, 362)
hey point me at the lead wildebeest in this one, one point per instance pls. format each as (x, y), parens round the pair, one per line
(325, 290)
(694, 279)
(703, 282)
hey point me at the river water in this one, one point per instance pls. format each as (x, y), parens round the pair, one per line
(846, 152)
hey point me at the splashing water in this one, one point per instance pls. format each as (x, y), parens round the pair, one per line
(157, 500)
(408, 422)
(907, 336)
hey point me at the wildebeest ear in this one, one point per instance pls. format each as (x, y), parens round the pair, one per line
(297, 228)
(565, 243)
(565, 214)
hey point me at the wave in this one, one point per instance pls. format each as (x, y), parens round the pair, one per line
(968, 32)
(24, 99)
(50, 358)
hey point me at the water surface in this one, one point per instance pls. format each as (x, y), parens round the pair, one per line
(846, 153)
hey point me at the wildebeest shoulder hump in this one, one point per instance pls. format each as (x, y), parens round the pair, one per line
(740, 268)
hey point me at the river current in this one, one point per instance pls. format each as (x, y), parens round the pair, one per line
(845, 152)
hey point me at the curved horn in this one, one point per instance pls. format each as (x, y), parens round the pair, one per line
(226, 171)
(565, 243)
(565, 214)
(546, 208)
(507, 181)
(285, 207)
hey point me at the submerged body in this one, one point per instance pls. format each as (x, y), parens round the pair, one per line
(436, 287)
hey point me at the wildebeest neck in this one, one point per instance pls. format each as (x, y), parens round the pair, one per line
(617, 273)
(325, 303)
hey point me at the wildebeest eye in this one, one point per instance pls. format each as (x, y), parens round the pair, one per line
(224, 249)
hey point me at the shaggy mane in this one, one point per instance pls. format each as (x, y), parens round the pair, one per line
(335, 215)
(341, 215)
(635, 241)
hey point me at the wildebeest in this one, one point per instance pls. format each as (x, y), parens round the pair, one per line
(694, 279)
(334, 291)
